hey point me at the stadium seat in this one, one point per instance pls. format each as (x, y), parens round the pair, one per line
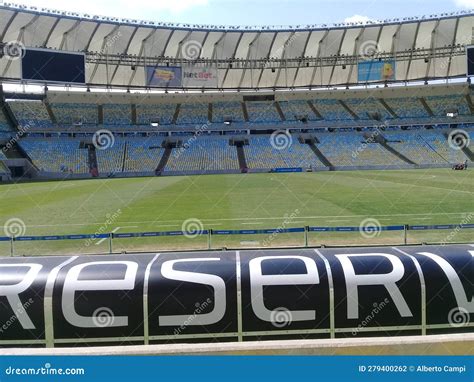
(195, 113)
(260, 154)
(111, 160)
(75, 113)
(203, 154)
(30, 113)
(262, 112)
(117, 114)
(352, 149)
(143, 154)
(162, 113)
(332, 110)
(227, 111)
(56, 154)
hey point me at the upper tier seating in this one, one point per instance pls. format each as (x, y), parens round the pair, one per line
(162, 113)
(31, 113)
(363, 106)
(75, 113)
(117, 114)
(262, 112)
(332, 110)
(225, 111)
(195, 113)
(409, 107)
(5, 129)
(440, 105)
(295, 110)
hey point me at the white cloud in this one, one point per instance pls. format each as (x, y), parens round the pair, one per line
(142, 9)
(357, 19)
(469, 4)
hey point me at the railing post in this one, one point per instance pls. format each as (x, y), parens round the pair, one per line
(209, 239)
(405, 231)
(306, 229)
(111, 235)
(12, 247)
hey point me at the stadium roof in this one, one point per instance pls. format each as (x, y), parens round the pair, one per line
(118, 50)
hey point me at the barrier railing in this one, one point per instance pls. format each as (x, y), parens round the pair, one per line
(211, 233)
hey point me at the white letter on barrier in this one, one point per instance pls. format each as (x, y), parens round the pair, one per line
(214, 281)
(454, 281)
(258, 280)
(12, 291)
(388, 280)
(72, 284)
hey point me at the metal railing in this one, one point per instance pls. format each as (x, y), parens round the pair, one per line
(210, 234)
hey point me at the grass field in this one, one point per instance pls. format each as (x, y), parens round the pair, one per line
(253, 201)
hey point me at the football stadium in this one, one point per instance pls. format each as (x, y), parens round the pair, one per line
(166, 183)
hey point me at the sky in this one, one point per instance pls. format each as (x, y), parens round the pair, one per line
(256, 12)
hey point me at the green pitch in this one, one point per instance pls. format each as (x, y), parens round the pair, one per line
(253, 201)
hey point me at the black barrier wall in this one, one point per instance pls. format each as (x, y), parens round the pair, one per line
(236, 296)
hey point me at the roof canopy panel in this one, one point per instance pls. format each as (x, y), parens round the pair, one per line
(247, 57)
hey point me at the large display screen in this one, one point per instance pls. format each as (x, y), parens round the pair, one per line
(376, 70)
(43, 65)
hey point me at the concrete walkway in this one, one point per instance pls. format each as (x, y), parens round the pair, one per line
(452, 344)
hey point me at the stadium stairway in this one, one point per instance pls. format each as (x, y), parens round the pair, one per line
(245, 112)
(15, 152)
(280, 112)
(50, 112)
(124, 156)
(164, 160)
(314, 110)
(469, 103)
(92, 158)
(427, 107)
(389, 109)
(320, 155)
(241, 157)
(176, 114)
(383, 142)
(349, 110)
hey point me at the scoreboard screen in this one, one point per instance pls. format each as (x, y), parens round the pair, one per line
(44, 65)
(470, 60)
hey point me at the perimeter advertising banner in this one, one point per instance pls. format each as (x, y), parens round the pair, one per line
(236, 295)
(199, 77)
(376, 70)
(164, 76)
